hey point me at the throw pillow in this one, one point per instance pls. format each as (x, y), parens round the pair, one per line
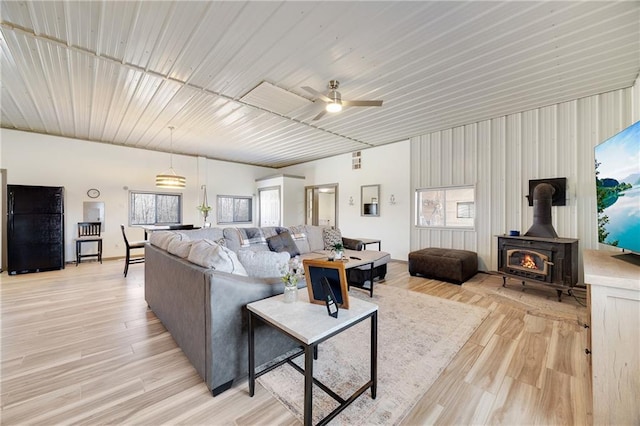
(161, 238)
(208, 254)
(331, 236)
(300, 238)
(263, 264)
(283, 242)
(179, 247)
(251, 236)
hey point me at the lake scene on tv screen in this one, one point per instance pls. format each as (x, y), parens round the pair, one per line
(618, 189)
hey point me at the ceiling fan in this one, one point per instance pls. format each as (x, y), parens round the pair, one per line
(334, 100)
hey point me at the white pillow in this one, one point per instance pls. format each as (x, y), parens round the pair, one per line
(263, 264)
(208, 254)
(179, 248)
(161, 238)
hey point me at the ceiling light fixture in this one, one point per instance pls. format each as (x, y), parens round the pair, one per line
(170, 179)
(336, 99)
(334, 107)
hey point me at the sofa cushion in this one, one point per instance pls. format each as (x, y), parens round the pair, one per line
(264, 264)
(179, 247)
(299, 236)
(331, 236)
(212, 233)
(208, 254)
(283, 242)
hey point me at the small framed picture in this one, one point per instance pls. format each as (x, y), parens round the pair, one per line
(330, 298)
(336, 278)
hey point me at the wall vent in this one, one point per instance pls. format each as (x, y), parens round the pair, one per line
(356, 160)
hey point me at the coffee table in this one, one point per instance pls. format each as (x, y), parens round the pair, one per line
(353, 263)
(367, 241)
(309, 324)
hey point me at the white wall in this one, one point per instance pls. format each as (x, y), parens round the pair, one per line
(36, 159)
(501, 155)
(388, 166)
(291, 197)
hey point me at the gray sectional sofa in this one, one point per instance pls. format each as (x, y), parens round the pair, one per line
(202, 304)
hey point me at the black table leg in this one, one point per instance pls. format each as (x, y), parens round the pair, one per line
(252, 353)
(374, 354)
(371, 278)
(308, 384)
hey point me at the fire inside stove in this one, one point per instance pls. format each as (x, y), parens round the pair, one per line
(529, 261)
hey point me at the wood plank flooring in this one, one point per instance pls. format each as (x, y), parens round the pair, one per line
(79, 346)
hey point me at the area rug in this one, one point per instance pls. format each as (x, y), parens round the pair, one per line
(418, 335)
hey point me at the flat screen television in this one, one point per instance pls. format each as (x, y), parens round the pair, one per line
(618, 189)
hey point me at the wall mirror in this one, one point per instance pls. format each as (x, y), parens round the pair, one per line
(369, 200)
(93, 211)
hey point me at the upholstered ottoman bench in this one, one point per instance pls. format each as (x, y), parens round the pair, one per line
(451, 265)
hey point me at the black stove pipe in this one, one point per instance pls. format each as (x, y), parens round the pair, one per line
(542, 199)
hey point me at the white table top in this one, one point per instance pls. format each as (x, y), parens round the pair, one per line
(608, 268)
(309, 322)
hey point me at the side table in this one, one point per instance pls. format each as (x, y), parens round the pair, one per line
(309, 324)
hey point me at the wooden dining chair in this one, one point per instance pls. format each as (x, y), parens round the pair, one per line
(133, 245)
(88, 232)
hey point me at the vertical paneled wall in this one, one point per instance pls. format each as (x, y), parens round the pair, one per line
(501, 155)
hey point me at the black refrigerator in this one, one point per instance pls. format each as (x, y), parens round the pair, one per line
(35, 228)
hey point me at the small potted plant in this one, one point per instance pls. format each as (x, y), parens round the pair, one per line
(204, 209)
(338, 250)
(292, 272)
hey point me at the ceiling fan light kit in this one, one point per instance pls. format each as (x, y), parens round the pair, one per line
(334, 101)
(334, 107)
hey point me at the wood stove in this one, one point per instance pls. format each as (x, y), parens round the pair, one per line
(539, 255)
(550, 261)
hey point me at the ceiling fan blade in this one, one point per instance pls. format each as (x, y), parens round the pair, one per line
(362, 103)
(320, 115)
(317, 94)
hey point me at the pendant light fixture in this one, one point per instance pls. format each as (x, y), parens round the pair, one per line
(170, 179)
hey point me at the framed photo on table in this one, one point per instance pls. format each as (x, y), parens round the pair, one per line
(334, 272)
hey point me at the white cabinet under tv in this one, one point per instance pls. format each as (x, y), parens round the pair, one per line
(614, 280)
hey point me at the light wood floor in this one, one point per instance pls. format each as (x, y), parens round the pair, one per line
(80, 347)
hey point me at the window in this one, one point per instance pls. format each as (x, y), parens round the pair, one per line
(149, 208)
(235, 209)
(450, 207)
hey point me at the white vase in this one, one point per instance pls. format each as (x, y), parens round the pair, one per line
(338, 255)
(290, 292)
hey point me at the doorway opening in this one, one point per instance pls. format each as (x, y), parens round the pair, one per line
(321, 203)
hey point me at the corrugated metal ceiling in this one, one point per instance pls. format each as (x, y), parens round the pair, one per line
(122, 72)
